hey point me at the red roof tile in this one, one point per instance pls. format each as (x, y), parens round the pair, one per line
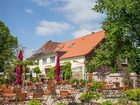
(80, 46)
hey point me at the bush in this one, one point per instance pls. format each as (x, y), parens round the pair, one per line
(123, 101)
(133, 94)
(34, 102)
(107, 103)
(89, 96)
(67, 71)
(51, 73)
(5, 81)
(96, 86)
(82, 83)
(34, 80)
(75, 81)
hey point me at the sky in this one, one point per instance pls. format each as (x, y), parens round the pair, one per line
(34, 22)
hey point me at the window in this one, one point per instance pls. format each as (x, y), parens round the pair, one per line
(44, 61)
(52, 59)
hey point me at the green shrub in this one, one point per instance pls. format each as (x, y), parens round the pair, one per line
(133, 94)
(123, 101)
(4, 81)
(67, 71)
(82, 83)
(34, 80)
(51, 73)
(96, 86)
(107, 103)
(138, 103)
(73, 81)
(34, 102)
(89, 96)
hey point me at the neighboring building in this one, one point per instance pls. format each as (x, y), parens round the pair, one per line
(76, 51)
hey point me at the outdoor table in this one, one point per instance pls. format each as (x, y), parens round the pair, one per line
(72, 94)
(8, 96)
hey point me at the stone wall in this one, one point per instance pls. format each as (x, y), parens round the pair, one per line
(115, 77)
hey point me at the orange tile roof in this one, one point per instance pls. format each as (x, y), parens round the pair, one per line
(80, 46)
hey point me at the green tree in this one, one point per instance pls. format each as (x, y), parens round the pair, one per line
(24, 64)
(122, 29)
(51, 73)
(37, 71)
(8, 44)
(67, 71)
(90, 70)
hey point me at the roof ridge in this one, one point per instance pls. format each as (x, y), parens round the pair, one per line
(82, 36)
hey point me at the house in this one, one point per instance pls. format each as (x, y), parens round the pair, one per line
(76, 51)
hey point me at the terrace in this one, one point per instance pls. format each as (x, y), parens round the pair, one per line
(68, 92)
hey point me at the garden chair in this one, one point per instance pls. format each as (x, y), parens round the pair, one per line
(21, 99)
(16, 89)
(38, 95)
(7, 90)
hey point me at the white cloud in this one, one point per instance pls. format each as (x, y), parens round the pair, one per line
(79, 11)
(81, 32)
(86, 29)
(80, 14)
(29, 11)
(43, 2)
(46, 28)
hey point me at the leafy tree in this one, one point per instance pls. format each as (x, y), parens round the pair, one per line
(90, 68)
(122, 29)
(8, 44)
(24, 64)
(51, 73)
(37, 71)
(67, 71)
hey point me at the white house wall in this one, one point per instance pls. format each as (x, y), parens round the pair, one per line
(43, 66)
(76, 62)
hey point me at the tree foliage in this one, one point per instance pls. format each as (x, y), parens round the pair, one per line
(8, 44)
(122, 29)
(37, 70)
(67, 71)
(51, 73)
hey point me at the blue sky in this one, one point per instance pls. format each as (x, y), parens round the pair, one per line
(34, 22)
